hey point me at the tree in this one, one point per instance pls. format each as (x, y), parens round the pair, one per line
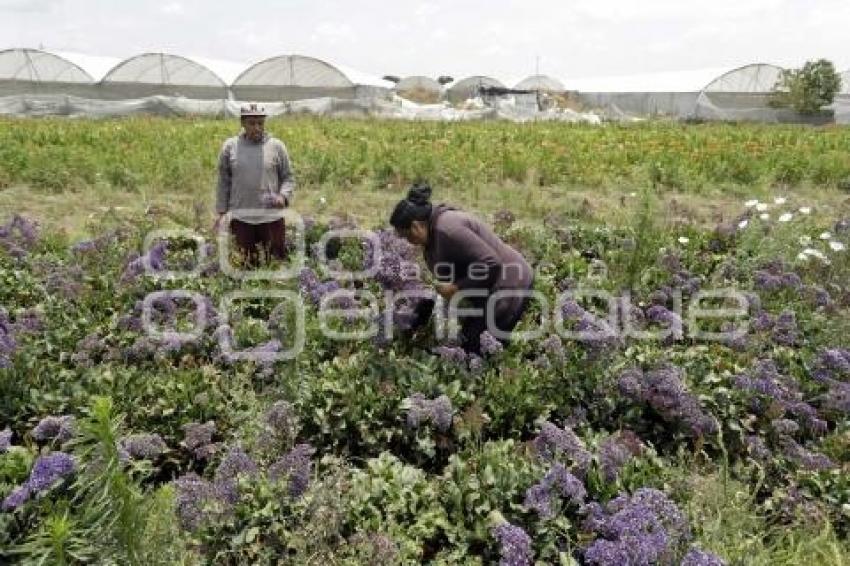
(809, 89)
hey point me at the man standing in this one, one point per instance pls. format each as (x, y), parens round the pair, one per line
(255, 181)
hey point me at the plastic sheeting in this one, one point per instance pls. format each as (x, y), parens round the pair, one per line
(292, 77)
(396, 108)
(28, 71)
(470, 88)
(543, 83)
(640, 104)
(152, 74)
(743, 94)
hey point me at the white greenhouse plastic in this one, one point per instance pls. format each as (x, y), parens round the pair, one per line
(419, 89)
(542, 83)
(31, 71)
(162, 74)
(469, 88)
(741, 94)
(292, 77)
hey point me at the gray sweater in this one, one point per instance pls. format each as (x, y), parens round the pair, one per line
(249, 172)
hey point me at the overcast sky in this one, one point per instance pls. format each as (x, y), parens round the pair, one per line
(502, 38)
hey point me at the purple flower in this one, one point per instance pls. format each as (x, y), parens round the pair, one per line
(451, 354)
(195, 501)
(671, 320)
(696, 557)
(438, 412)
(514, 545)
(785, 426)
(810, 461)
(490, 346)
(646, 528)
(234, 464)
(554, 348)
(616, 451)
(49, 469)
(296, 466)
(758, 449)
(663, 389)
(144, 446)
(198, 439)
(393, 260)
(836, 361)
(5, 440)
(476, 364)
(553, 442)
(153, 259)
(46, 471)
(60, 429)
(558, 481)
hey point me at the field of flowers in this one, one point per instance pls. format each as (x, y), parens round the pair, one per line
(629, 431)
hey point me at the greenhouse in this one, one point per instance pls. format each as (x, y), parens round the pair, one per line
(423, 90)
(541, 83)
(292, 77)
(161, 74)
(842, 101)
(31, 71)
(470, 88)
(741, 94)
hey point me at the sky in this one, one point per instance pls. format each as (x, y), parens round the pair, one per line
(507, 39)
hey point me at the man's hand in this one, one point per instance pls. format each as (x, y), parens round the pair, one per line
(275, 200)
(446, 290)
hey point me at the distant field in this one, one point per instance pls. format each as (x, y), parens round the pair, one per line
(359, 166)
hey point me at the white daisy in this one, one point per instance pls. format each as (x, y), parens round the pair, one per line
(761, 207)
(683, 240)
(743, 224)
(786, 217)
(765, 216)
(751, 203)
(837, 246)
(802, 257)
(826, 236)
(632, 195)
(806, 210)
(805, 240)
(780, 200)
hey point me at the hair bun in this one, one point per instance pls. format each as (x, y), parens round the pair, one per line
(419, 194)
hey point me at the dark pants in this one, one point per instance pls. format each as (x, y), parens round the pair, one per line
(268, 238)
(471, 327)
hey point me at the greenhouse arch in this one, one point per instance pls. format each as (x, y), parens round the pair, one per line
(164, 74)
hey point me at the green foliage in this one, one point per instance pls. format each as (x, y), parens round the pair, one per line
(809, 88)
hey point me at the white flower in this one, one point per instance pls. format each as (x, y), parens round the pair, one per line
(323, 200)
(743, 224)
(786, 217)
(826, 236)
(765, 216)
(632, 195)
(805, 240)
(683, 240)
(815, 253)
(751, 203)
(806, 210)
(780, 200)
(802, 257)
(837, 246)
(761, 207)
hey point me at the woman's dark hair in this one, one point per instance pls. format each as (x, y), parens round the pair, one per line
(417, 206)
